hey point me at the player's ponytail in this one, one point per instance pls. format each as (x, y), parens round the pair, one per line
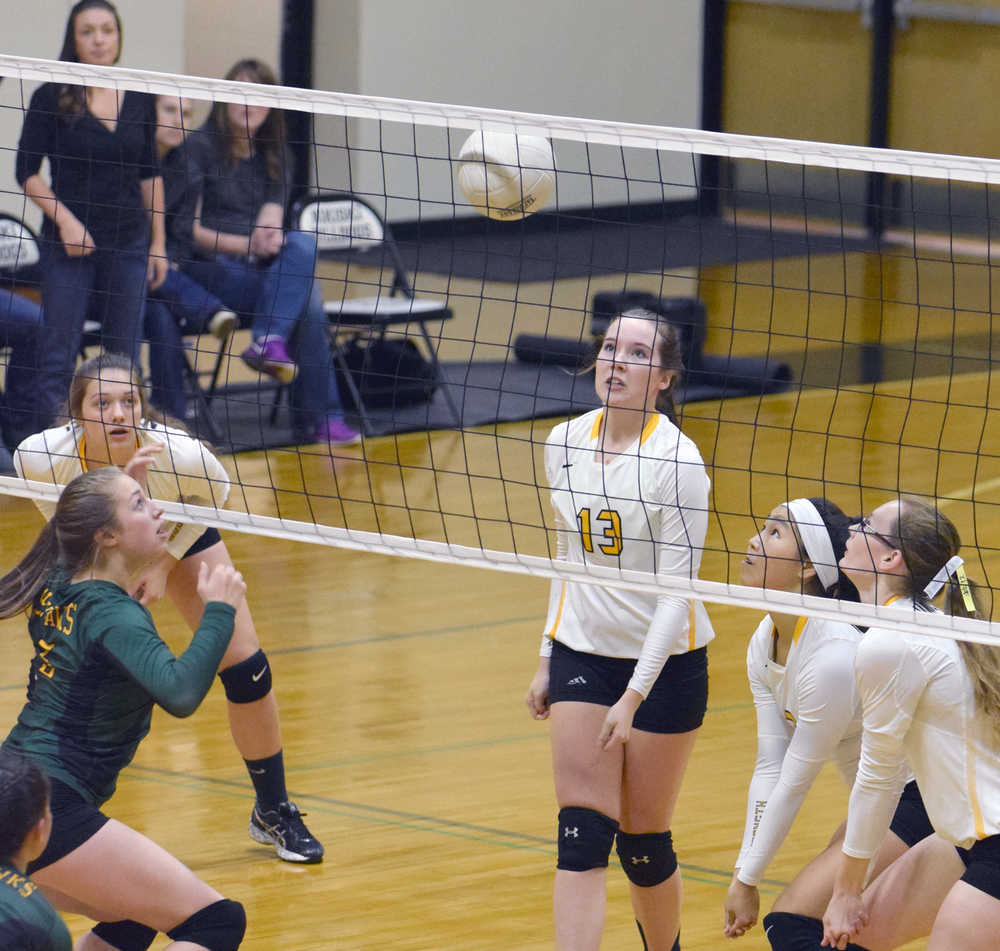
(69, 541)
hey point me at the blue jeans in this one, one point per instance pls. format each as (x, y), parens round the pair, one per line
(20, 332)
(283, 298)
(178, 306)
(108, 285)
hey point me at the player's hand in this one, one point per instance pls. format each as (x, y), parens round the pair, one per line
(138, 466)
(157, 266)
(537, 698)
(266, 241)
(150, 584)
(742, 908)
(76, 239)
(843, 920)
(618, 723)
(221, 583)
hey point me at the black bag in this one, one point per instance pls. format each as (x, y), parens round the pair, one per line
(388, 373)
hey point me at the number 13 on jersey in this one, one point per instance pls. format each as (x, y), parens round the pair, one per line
(611, 530)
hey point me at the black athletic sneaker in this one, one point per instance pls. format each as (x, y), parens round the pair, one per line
(284, 829)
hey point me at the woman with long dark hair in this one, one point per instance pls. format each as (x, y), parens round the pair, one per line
(246, 258)
(801, 673)
(102, 239)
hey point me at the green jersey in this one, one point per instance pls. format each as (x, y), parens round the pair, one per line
(27, 921)
(99, 667)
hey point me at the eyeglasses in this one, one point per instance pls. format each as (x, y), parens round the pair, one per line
(864, 524)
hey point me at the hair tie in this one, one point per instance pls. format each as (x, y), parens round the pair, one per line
(963, 585)
(815, 540)
(950, 567)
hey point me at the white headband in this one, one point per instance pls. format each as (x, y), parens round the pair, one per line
(941, 578)
(815, 539)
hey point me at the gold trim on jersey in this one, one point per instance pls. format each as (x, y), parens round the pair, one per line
(81, 449)
(800, 625)
(970, 781)
(647, 430)
(551, 633)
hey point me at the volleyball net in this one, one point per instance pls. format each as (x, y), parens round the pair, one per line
(834, 303)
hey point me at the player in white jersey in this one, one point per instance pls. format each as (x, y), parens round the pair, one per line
(623, 675)
(931, 702)
(111, 424)
(801, 673)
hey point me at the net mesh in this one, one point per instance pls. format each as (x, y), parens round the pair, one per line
(840, 347)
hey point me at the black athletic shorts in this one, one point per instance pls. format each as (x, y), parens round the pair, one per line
(207, 539)
(675, 704)
(74, 820)
(910, 820)
(982, 865)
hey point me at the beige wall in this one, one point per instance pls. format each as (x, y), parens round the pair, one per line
(219, 32)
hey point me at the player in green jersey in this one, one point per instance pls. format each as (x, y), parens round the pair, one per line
(27, 920)
(99, 667)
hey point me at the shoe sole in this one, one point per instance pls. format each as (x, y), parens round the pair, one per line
(284, 373)
(265, 838)
(223, 329)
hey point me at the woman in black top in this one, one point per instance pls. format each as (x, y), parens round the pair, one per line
(103, 233)
(245, 257)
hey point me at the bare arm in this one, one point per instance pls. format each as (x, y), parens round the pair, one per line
(75, 237)
(152, 200)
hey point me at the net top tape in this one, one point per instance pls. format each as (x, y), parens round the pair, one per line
(714, 592)
(620, 134)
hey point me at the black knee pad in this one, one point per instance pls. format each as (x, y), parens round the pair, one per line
(790, 932)
(218, 927)
(248, 680)
(584, 838)
(125, 935)
(648, 858)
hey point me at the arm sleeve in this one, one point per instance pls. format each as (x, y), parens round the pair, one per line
(33, 463)
(827, 702)
(178, 684)
(37, 134)
(890, 681)
(681, 537)
(557, 588)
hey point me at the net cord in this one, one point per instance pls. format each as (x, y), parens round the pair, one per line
(620, 134)
(713, 592)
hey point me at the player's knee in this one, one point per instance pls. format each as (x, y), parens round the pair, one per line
(247, 681)
(125, 935)
(648, 858)
(585, 837)
(218, 927)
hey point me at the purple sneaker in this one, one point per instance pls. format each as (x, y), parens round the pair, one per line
(270, 355)
(337, 433)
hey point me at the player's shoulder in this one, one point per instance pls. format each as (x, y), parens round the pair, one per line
(575, 432)
(40, 452)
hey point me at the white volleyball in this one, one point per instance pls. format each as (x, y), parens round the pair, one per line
(506, 176)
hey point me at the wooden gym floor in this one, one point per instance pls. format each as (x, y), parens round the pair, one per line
(401, 682)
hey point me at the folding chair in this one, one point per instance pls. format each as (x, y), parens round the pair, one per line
(349, 229)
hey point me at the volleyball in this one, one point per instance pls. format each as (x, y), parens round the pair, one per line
(506, 176)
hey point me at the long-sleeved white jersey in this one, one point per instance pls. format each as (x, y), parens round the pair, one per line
(808, 712)
(919, 710)
(645, 509)
(185, 471)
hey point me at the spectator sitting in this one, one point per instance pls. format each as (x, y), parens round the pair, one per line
(180, 305)
(246, 257)
(20, 324)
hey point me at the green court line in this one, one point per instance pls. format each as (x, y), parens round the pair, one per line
(417, 822)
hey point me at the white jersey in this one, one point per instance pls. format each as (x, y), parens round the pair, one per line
(808, 712)
(644, 510)
(186, 471)
(919, 707)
